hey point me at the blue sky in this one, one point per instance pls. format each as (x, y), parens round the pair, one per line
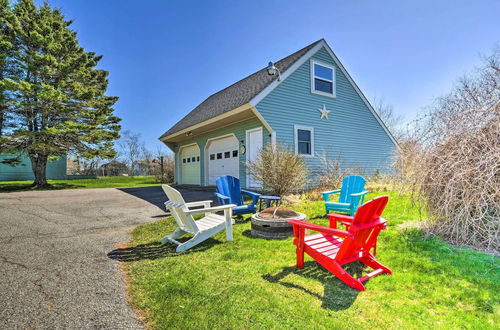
(166, 56)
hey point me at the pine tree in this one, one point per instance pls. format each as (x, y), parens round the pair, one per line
(5, 51)
(55, 94)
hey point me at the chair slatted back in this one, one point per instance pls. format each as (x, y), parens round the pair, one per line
(230, 186)
(366, 226)
(177, 207)
(350, 185)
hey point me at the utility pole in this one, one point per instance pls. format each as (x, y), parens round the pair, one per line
(161, 169)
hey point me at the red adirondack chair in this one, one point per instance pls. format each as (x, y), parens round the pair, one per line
(332, 247)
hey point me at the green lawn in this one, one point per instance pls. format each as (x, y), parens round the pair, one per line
(101, 182)
(253, 283)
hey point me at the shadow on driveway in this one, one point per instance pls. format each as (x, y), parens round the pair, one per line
(155, 195)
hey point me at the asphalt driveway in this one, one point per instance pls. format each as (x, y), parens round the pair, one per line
(54, 268)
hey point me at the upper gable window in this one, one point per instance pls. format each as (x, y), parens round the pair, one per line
(322, 78)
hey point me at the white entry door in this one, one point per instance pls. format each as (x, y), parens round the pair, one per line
(189, 158)
(223, 158)
(254, 145)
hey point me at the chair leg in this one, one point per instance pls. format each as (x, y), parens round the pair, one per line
(176, 234)
(189, 244)
(371, 262)
(300, 257)
(229, 225)
(344, 276)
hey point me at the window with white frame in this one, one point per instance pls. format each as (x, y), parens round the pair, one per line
(304, 140)
(322, 78)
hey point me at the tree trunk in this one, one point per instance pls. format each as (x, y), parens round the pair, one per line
(39, 165)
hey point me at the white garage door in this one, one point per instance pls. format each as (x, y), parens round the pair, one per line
(190, 165)
(223, 158)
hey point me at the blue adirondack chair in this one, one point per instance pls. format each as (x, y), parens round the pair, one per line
(351, 195)
(230, 192)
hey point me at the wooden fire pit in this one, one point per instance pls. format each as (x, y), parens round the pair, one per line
(272, 223)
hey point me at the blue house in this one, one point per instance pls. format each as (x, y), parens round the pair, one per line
(307, 101)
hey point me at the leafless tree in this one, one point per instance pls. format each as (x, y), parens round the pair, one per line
(393, 121)
(146, 164)
(163, 167)
(453, 160)
(130, 150)
(77, 165)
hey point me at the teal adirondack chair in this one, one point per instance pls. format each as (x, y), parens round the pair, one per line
(351, 195)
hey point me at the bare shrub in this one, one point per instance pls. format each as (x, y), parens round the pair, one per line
(453, 160)
(279, 169)
(163, 168)
(332, 173)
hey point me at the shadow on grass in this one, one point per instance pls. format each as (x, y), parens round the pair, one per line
(13, 187)
(156, 250)
(337, 296)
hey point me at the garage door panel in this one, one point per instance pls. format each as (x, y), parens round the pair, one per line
(190, 165)
(223, 158)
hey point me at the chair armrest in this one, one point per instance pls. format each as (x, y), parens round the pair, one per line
(321, 229)
(379, 222)
(255, 196)
(360, 193)
(339, 217)
(360, 201)
(326, 194)
(211, 209)
(200, 203)
(250, 193)
(222, 197)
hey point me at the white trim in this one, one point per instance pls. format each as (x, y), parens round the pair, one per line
(216, 129)
(247, 155)
(246, 106)
(301, 61)
(206, 155)
(234, 111)
(257, 98)
(179, 159)
(273, 138)
(262, 120)
(333, 94)
(296, 139)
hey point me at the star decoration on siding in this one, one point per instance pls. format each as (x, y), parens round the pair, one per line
(324, 112)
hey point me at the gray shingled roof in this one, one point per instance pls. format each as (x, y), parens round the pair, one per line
(235, 95)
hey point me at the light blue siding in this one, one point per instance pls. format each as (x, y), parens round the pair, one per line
(238, 129)
(56, 170)
(352, 134)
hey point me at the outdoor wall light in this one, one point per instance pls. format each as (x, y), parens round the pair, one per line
(272, 70)
(189, 133)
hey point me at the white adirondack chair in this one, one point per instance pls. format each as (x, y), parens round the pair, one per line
(201, 229)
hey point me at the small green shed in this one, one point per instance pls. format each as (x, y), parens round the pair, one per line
(56, 170)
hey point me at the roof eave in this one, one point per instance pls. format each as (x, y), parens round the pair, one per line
(252, 112)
